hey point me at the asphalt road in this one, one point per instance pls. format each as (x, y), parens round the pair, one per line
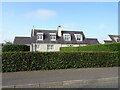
(95, 84)
(32, 77)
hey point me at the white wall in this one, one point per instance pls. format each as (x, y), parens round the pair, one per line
(73, 45)
(43, 47)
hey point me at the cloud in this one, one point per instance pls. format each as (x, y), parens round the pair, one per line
(41, 14)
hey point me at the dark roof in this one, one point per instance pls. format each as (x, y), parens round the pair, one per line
(112, 37)
(91, 41)
(59, 40)
(107, 41)
(22, 40)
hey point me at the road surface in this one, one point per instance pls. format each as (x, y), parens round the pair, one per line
(48, 76)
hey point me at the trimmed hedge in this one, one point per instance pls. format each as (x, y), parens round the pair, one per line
(100, 47)
(15, 47)
(29, 61)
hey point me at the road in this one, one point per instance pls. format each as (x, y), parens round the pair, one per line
(95, 84)
(47, 76)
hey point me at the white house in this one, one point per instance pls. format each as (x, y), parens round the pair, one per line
(52, 40)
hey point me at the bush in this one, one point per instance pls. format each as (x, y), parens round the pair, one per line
(29, 61)
(100, 47)
(15, 47)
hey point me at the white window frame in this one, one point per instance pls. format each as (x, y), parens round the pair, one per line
(52, 35)
(50, 47)
(76, 36)
(39, 34)
(68, 36)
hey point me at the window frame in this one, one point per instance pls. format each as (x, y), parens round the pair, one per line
(69, 38)
(38, 35)
(76, 36)
(52, 35)
(49, 48)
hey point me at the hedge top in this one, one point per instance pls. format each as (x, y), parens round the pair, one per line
(15, 47)
(100, 47)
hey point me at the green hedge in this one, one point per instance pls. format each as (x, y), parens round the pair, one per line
(100, 47)
(29, 61)
(15, 47)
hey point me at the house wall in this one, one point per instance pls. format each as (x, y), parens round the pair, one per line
(31, 47)
(43, 47)
(72, 45)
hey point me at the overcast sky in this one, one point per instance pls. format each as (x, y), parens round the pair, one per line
(95, 19)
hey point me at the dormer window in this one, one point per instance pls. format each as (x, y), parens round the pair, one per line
(78, 37)
(53, 36)
(67, 37)
(39, 36)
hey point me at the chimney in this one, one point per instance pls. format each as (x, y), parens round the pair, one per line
(59, 31)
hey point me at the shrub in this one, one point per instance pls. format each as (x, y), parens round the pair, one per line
(15, 47)
(29, 61)
(100, 47)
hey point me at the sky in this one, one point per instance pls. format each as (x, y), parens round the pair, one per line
(95, 19)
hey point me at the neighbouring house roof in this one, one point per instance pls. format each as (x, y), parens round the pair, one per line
(118, 40)
(22, 40)
(113, 38)
(91, 41)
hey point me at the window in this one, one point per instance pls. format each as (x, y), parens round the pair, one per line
(53, 36)
(50, 47)
(78, 37)
(67, 37)
(70, 45)
(39, 36)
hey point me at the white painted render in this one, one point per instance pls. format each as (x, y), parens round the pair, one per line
(59, 29)
(73, 45)
(83, 44)
(31, 47)
(43, 47)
